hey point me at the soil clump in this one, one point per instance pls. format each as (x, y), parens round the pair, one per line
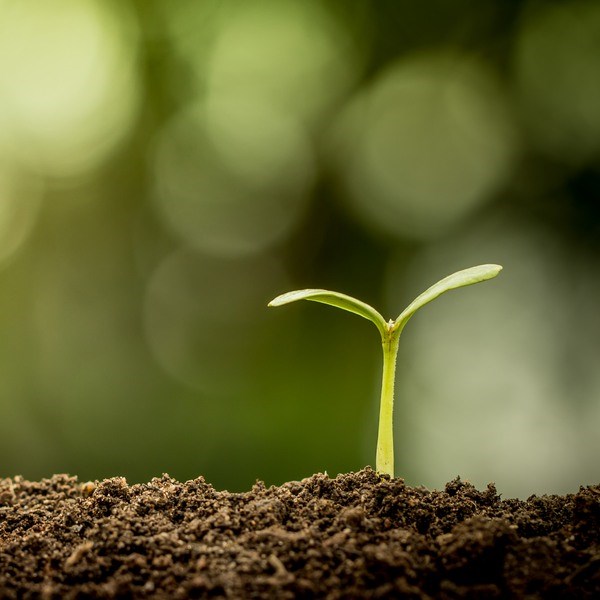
(358, 535)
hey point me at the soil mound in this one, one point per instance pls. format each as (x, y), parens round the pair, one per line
(358, 535)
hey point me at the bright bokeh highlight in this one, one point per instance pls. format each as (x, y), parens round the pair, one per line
(426, 145)
(481, 374)
(293, 53)
(68, 84)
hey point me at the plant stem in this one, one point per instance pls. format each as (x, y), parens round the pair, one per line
(384, 462)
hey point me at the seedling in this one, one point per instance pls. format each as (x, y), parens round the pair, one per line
(390, 335)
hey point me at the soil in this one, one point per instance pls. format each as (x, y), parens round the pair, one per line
(358, 535)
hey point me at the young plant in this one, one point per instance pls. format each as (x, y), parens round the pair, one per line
(390, 335)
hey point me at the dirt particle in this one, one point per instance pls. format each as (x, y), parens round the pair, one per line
(77, 554)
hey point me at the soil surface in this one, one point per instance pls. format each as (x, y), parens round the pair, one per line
(358, 535)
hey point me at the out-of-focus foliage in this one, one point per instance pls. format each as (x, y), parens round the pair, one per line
(168, 168)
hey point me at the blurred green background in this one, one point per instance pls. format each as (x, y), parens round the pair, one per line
(167, 168)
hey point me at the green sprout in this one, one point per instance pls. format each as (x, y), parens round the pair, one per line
(390, 335)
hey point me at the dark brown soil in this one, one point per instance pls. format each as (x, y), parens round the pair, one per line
(358, 535)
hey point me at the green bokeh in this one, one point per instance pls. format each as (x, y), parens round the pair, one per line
(166, 169)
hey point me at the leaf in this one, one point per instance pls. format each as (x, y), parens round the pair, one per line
(335, 299)
(456, 280)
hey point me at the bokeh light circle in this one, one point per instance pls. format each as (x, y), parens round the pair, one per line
(293, 53)
(231, 200)
(484, 367)
(427, 144)
(73, 93)
(203, 317)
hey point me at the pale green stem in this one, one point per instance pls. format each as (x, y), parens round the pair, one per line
(384, 462)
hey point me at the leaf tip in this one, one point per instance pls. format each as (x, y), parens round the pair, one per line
(275, 302)
(291, 297)
(495, 269)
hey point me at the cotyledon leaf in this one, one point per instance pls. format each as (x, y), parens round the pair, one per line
(456, 280)
(335, 299)
(390, 335)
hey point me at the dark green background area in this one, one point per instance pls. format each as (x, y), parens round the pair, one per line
(370, 148)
